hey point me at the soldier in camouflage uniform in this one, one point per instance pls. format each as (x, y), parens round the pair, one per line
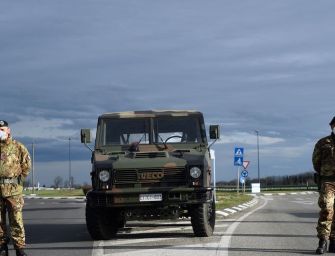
(324, 165)
(15, 165)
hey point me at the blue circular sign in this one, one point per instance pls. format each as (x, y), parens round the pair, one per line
(244, 173)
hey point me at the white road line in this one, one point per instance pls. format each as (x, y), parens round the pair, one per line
(98, 248)
(230, 210)
(222, 213)
(237, 208)
(223, 245)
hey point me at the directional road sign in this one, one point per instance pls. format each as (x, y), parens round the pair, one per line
(242, 180)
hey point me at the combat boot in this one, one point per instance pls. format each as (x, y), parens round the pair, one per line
(331, 246)
(4, 250)
(20, 252)
(322, 247)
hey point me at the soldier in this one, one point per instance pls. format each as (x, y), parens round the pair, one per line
(14, 167)
(324, 165)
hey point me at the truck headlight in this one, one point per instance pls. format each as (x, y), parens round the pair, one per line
(104, 175)
(195, 172)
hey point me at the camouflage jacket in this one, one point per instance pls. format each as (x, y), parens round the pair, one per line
(324, 156)
(14, 163)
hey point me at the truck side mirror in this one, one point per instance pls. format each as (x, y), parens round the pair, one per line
(214, 132)
(85, 136)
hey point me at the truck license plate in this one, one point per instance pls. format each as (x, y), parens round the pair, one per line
(150, 197)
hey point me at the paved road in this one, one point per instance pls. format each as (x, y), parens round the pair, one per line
(56, 227)
(285, 225)
(276, 225)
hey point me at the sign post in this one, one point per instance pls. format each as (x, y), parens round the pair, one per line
(238, 161)
(214, 178)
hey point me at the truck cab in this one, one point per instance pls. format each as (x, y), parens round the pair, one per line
(150, 165)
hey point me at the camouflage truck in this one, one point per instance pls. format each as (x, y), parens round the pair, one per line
(150, 165)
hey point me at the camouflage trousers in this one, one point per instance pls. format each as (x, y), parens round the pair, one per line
(13, 206)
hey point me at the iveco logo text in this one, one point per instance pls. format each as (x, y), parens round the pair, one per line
(150, 175)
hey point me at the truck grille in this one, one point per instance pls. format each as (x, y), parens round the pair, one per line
(154, 175)
(150, 154)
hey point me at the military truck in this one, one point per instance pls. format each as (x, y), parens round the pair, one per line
(149, 165)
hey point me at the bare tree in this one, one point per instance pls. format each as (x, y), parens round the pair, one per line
(58, 181)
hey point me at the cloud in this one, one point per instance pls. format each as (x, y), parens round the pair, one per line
(258, 64)
(41, 127)
(248, 139)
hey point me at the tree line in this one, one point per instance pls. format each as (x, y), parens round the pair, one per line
(301, 179)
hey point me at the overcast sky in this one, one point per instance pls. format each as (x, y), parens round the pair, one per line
(247, 65)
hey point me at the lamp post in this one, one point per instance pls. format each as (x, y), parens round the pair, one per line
(33, 166)
(257, 133)
(70, 176)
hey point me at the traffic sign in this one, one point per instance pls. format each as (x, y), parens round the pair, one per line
(238, 161)
(244, 173)
(242, 180)
(245, 164)
(238, 152)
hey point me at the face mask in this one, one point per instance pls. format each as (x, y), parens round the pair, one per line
(3, 135)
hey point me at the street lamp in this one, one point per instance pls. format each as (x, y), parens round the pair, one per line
(257, 133)
(33, 165)
(70, 176)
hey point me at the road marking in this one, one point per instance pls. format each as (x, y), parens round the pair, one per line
(222, 213)
(230, 210)
(303, 202)
(223, 245)
(98, 248)
(237, 208)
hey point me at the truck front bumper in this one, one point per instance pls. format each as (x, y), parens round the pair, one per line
(131, 198)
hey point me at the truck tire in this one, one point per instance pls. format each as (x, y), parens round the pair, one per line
(102, 223)
(203, 219)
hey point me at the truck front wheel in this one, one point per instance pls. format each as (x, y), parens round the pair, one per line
(102, 223)
(203, 219)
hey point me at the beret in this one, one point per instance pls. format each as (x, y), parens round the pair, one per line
(332, 122)
(3, 123)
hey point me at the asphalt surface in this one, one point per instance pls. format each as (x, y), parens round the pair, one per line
(56, 227)
(285, 225)
(274, 225)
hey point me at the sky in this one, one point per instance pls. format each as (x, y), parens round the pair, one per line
(246, 64)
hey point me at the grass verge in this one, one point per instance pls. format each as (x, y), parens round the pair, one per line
(56, 192)
(230, 199)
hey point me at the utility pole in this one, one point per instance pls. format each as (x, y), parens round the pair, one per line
(257, 133)
(33, 166)
(70, 176)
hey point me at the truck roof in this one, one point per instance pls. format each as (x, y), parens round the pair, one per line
(150, 113)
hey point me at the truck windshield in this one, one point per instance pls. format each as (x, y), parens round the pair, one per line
(170, 129)
(177, 130)
(124, 131)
